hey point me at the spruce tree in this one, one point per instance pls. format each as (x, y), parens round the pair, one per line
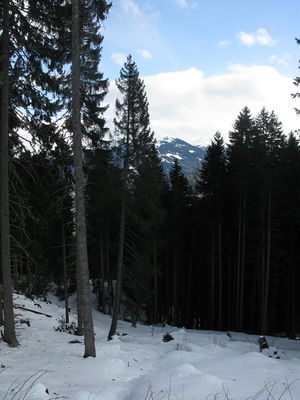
(147, 216)
(79, 43)
(270, 129)
(211, 185)
(287, 230)
(40, 85)
(238, 154)
(9, 324)
(178, 205)
(28, 45)
(103, 196)
(132, 127)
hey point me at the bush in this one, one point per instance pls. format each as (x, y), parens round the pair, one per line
(63, 326)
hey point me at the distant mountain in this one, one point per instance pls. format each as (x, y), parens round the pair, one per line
(189, 156)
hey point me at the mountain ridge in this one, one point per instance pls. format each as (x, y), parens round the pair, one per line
(188, 155)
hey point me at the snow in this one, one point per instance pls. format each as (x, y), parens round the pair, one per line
(165, 139)
(167, 161)
(196, 365)
(171, 155)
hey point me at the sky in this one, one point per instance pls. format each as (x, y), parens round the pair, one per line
(204, 61)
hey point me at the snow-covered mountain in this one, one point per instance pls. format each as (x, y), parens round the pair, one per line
(188, 155)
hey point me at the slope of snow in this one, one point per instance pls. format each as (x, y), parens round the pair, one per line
(170, 155)
(196, 365)
(164, 139)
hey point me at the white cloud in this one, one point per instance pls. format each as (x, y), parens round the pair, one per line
(246, 38)
(119, 58)
(192, 107)
(186, 4)
(224, 43)
(145, 53)
(281, 60)
(129, 6)
(261, 37)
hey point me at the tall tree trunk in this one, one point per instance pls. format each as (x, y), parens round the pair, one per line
(187, 314)
(268, 259)
(242, 266)
(108, 274)
(155, 295)
(230, 280)
(239, 256)
(220, 270)
(79, 296)
(292, 300)
(89, 340)
(212, 282)
(117, 298)
(175, 289)
(102, 276)
(1, 308)
(66, 294)
(263, 270)
(9, 323)
(168, 317)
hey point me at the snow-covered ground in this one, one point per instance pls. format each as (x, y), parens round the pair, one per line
(196, 365)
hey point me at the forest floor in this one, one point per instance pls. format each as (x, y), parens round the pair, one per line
(196, 365)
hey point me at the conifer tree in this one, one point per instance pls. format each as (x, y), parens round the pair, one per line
(132, 126)
(211, 184)
(270, 129)
(29, 41)
(178, 203)
(238, 169)
(9, 324)
(288, 225)
(81, 248)
(147, 216)
(103, 197)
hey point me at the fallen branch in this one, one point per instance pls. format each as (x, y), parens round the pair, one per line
(33, 311)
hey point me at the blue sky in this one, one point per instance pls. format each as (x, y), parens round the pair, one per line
(234, 52)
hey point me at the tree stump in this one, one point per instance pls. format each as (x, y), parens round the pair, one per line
(262, 342)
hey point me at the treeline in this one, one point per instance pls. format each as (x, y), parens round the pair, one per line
(219, 254)
(250, 215)
(222, 254)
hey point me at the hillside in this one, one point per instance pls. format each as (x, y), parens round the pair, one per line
(196, 365)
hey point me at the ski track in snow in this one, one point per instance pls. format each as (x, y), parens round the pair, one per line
(196, 365)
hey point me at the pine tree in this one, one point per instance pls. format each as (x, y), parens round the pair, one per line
(270, 129)
(39, 85)
(81, 245)
(178, 204)
(238, 153)
(288, 225)
(102, 217)
(79, 43)
(147, 216)
(211, 184)
(132, 126)
(27, 44)
(9, 324)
